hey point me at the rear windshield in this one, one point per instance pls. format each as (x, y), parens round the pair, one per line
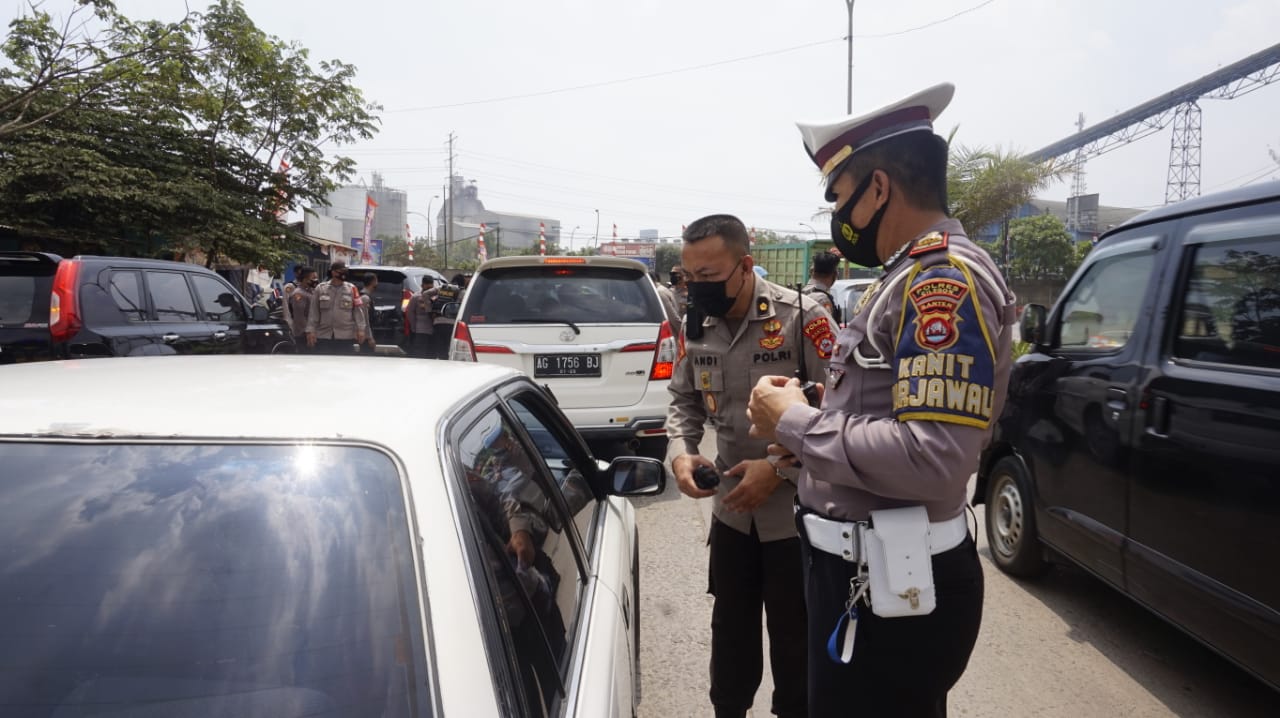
(25, 285)
(167, 580)
(582, 295)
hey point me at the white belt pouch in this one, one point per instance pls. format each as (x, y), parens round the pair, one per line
(899, 565)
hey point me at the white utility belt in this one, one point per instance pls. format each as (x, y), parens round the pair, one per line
(847, 540)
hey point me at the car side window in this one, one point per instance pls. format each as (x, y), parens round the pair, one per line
(1103, 307)
(217, 300)
(552, 446)
(1231, 304)
(172, 297)
(125, 289)
(528, 555)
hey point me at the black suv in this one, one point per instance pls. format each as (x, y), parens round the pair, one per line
(88, 306)
(1141, 438)
(396, 286)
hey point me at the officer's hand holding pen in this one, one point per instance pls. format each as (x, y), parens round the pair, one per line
(758, 481)
(770, 399)
(682, 466)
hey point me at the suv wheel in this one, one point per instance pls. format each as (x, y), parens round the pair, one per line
(1011, 521)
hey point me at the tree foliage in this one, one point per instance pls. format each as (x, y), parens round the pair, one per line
(80, 60)
(984, 186)
(1041, 248)
(187, 156)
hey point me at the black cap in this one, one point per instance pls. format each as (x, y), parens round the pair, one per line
(338, 266)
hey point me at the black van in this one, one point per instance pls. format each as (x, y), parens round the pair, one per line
(26, 282)
(1141, 437)
(86, 306)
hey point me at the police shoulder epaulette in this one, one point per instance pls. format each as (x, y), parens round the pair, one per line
(932, 242)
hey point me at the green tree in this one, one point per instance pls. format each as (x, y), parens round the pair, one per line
(186, 157)
(81, 60)
(666, 256)
(1041, 248)
(395, 251)
(984, 186)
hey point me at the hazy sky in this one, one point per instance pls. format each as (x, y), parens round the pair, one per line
(659, 152)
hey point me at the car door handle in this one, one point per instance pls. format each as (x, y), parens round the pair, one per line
(170, 338)
(1158, 419)
(1117, 399)
(219, 336)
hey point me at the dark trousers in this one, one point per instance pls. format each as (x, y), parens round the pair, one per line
(300, 345)
(442, 341)
(901, 666)
(746, 574)
(335, 347)
(420, 346)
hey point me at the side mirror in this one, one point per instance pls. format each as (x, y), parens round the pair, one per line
(450, 310)
(636, 476)
(1032, 326)
(259, 313)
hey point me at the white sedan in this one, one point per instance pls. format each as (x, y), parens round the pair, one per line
(230, 536)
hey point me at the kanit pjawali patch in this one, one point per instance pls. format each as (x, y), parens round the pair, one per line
(937, 304)
(929, 243)
(819, 332)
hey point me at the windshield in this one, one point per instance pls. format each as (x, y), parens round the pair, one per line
(167, 580)
(557, 295)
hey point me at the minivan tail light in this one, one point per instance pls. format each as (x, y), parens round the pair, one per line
(462, 348)
(64, 315)
(664, 355)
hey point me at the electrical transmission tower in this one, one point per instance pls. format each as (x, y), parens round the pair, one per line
(1184, 155)
(1180, 108)
(1077, 181)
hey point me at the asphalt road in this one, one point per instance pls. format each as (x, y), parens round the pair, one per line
(1063, 645)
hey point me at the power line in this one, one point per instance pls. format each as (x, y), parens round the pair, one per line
(634, 78)
(691, 68)
(948, 18)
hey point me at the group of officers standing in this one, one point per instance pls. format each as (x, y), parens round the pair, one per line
(335, 317)
(880, 427)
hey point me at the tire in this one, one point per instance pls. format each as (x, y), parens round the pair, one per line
(1011, 521)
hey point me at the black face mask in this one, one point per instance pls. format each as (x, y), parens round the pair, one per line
(675, 278)
(857, 245)
(711, 298)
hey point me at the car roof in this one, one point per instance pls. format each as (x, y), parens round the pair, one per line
(1218, 200)
(239, 397)
(537, 261)
(389, 268)
(142, 262)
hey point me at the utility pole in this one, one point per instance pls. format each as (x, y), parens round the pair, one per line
(849, 102)
(448, 227)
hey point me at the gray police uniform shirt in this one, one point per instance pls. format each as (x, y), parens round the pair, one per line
(299, 303)
(421, 320)
(713, 379)
(820, 294)
(915, 382)
(674, 317)
(334, 314)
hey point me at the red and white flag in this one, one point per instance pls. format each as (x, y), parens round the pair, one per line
(542, 239)
(482, 253)
(408, 236)
(370, 208)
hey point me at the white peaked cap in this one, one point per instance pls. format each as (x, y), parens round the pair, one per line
(830, 144)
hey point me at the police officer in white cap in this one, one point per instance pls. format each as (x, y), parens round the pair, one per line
(893, 583)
